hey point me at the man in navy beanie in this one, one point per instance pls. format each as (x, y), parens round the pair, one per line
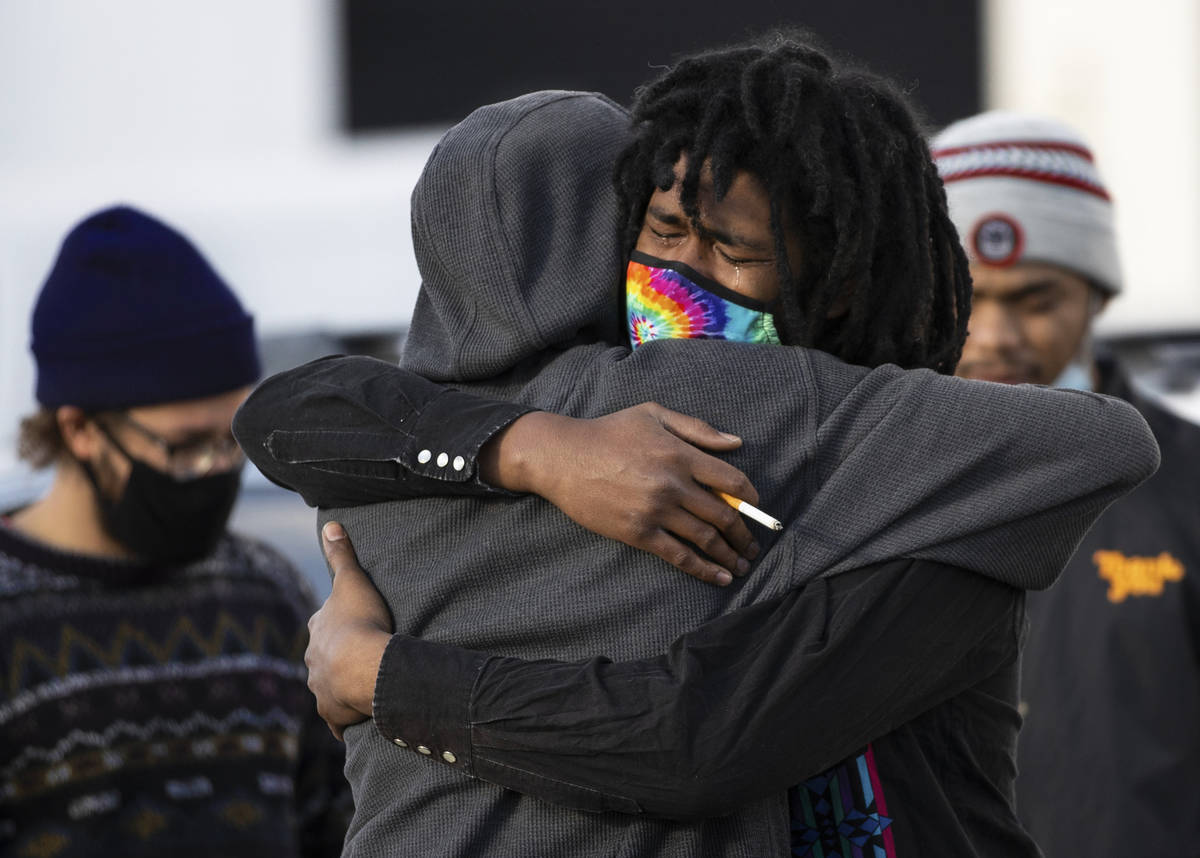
(154, 700)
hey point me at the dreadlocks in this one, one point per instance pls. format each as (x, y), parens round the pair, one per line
(883, 278)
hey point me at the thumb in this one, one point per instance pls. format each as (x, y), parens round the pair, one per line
(696, 431)
(339, 553)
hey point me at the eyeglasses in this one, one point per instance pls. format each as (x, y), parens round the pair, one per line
(189, 459)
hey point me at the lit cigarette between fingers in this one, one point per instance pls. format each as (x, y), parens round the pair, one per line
(751, 512)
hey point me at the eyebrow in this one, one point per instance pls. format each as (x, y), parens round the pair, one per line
(196, 436)
(666, 216)
(1034, 288)
(732, 239)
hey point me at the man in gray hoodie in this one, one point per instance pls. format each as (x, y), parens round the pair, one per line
(863, 465)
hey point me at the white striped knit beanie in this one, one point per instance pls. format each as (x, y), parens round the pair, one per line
(1025, 189)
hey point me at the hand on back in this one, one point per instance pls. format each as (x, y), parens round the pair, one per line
(640, 476)
(346, 637)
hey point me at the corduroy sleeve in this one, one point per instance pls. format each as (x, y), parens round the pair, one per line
(347, 431)
(742, 707)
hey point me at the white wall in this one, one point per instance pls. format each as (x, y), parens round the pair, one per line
(1127, 75)
(220, 116)
(164, 80)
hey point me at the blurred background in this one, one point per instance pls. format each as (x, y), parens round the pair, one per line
(284, 138)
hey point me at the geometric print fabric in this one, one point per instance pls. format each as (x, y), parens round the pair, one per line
(842, 813)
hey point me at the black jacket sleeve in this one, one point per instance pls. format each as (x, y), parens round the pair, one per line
(346, 431)
(744, 706)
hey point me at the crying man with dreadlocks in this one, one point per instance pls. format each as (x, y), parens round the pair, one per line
(791, 274)
(804, 189)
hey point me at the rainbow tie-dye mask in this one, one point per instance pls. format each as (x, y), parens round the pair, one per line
(668, 300)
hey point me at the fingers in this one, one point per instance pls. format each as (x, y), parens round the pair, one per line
(339, 553)
(694, 430)
(722, 476)
(331, 721)
(336, 720)
(718, 523)
(687, 560)
(706, 469)
(709, 540)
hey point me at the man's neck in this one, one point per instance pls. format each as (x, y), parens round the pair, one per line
(67, 517)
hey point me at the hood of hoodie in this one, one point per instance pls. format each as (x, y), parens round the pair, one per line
(515, 229)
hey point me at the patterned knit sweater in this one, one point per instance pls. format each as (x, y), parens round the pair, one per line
(160, 711)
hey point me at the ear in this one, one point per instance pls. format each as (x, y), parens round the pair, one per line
(1100, 300)
(79, 433)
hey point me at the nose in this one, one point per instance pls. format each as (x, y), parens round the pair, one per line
(993, 330)
(698, 254)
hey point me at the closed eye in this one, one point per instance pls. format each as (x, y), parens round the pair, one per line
(733, 260)
(665, 236)
(1039, 304)
(1038, 298)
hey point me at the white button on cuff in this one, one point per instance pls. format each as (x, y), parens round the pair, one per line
(401, 743)
(459, 463)
(423, 750)
(449, 757)
(424, 456)
(443, 458)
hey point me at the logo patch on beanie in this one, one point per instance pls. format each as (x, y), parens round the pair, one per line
(997, 240)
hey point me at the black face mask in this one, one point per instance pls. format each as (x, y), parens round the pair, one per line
(165, 520)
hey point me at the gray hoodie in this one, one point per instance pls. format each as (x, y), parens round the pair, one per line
(514, 223)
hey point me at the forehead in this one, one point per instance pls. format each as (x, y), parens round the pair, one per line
(992, 281)
(746, 203)
(211, 414)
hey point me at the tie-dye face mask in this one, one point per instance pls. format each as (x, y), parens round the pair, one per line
(668, 300)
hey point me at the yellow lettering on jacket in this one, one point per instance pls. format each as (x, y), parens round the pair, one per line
(1136, 576)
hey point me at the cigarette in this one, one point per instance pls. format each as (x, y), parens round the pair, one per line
(752, 512)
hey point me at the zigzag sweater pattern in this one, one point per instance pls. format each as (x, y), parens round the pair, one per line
(147, 710)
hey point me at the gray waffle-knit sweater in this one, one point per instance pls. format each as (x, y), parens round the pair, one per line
(861, 464)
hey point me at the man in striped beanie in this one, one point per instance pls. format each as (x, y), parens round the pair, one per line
(1037, 223)
(1110, 748)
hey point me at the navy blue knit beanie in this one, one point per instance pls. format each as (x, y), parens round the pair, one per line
(132, 314)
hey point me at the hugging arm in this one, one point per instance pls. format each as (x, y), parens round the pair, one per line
(348, 431)
(1001, 479)
(743, 706)
(903, 464)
